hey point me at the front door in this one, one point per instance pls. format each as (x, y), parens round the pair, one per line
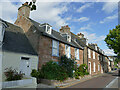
(89, 66)
(25, 67)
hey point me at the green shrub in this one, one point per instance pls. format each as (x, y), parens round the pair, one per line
(87, 73)
(81, 71)
(83, 68)
(12, 74)
(68, 64)
(53, 71)
(81, 74)
(77, 77)
(35, 73)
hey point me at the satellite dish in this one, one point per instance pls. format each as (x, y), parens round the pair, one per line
(34, 1)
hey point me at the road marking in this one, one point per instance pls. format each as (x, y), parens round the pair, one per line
(111, 83)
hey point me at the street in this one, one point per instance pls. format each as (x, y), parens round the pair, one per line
(97, 82)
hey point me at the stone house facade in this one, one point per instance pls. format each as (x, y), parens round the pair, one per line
(48, 43)
(51, 45)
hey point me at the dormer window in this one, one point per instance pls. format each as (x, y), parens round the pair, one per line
(2, 30)
(67, 37)
(95, 47)
(47, 28)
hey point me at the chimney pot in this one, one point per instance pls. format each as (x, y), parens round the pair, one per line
(80, 35)
(26, 3)
(65, 29)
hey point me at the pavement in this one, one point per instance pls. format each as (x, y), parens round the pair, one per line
(114, 83)
(98, 82)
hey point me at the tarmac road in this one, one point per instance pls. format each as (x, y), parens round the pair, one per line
(97, 82)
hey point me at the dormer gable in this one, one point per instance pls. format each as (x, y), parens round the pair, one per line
(65, 32)
(67, 37)
(47, 28)
(2, 31)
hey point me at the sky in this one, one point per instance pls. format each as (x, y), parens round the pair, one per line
(94, 18)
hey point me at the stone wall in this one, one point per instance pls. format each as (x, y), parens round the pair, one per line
(97, 62)
(45, 51)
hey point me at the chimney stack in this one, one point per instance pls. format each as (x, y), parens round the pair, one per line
(65, 29)
(23, 15)
(80, 35)
(24, 11)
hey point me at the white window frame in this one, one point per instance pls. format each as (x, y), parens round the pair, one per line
(94, 66)
(93, 54)
(89, 53)
(48, 31)
(77, 53)
(67, 51)
(55, 48)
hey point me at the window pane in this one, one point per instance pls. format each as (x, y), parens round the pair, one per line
(55, 48)
(54, 51)
(55, 44)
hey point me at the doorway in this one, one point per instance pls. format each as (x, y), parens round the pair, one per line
(89, 67)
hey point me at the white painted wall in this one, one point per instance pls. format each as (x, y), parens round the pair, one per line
(0, 69)
(13, 60)
(2, 30)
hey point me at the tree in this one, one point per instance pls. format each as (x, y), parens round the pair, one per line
(113, 40)
(32, 5)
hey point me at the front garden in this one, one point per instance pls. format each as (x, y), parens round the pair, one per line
(61, 71)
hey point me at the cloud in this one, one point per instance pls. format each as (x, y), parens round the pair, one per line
(109, 52)
(85, 6)
(109, 18)
(109, 7)
(92, 37)
(50, 12)
(87, 27)
(9, 11)
(82, 19)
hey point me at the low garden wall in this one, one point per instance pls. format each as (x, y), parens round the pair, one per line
(58, 83)
(19, 83)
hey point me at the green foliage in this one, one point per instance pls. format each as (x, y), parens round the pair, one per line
(81, 71)
(35, 73)
(83, 68)
(68, 64)
(113, 40)
(12, 74)
(51, 71)
(33, 7)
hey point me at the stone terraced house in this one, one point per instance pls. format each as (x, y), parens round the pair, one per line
(93, 56)
(48, 43)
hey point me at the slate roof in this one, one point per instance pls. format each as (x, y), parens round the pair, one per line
(55, 35)
(75, 40)
(82, 43)
(16, 41)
